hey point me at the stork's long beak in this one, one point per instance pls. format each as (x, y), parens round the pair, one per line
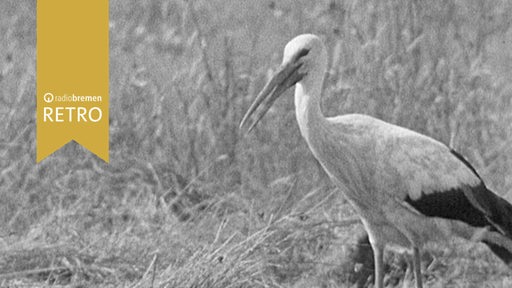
(287, 75)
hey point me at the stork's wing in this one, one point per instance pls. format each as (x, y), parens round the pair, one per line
(439, 182)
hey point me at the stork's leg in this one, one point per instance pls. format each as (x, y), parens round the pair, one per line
(417, 267)
(408, 272)
(378, 255)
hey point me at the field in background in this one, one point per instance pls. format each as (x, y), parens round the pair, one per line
(186, 200)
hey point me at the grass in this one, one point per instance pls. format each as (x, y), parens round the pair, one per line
(186, 201)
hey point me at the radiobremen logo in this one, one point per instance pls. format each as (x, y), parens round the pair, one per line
(72, 76)
(71, 113)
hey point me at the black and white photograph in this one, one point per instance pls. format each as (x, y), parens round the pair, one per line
(265, 144)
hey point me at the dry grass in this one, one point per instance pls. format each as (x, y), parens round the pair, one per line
(186, 201)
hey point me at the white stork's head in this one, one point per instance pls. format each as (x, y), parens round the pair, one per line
(304, 61)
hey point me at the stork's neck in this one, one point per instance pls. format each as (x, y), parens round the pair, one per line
(307, 105)
(332, 146)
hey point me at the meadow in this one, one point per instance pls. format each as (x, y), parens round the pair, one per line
(187, 200)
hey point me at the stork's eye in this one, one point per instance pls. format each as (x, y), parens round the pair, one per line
(302, 52)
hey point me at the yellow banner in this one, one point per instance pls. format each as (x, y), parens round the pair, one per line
(72, 75)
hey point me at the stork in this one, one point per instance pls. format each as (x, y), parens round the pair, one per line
(408, 189)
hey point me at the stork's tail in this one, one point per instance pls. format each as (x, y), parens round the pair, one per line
(499, 214)
(502, 253)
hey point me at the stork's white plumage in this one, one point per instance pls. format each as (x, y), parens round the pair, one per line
(408, 189)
